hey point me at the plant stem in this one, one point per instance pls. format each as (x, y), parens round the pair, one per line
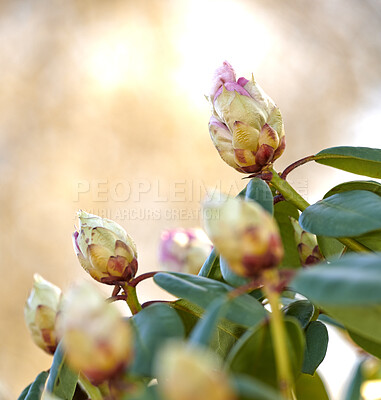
(92, 391)
(278, 334)
(291, 195)
(132, 298)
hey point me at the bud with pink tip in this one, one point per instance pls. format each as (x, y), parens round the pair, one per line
(246, 126)
(184, 250)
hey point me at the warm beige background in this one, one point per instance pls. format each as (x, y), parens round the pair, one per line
(101, 97)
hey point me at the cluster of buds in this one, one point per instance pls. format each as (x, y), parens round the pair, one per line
(184, 250)
(104, 249)
(246, 126)
(245, 235)
(40, 313)
(308, 249)
(97, 341)
(191, 373)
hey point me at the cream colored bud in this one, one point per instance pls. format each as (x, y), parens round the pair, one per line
(97, 341)
(104, 249)
(191, 373)
(40, 313)
(244, 234)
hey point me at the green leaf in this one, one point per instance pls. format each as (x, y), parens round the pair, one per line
(358, 160)
(354, 389)
(370, 346)
(302, 310)
(152, 327)
(309, 387)
(372, 240)
(259, 191)
(345, 214)
(348, 289)
(211, 267)
(244, 310)
(371, 186)
(62, 380)
(231, 277)
(250, 388)
(316, 346)
(35, 389)
(282, 213)
(224, 336)
(331, 248)
(253, 354)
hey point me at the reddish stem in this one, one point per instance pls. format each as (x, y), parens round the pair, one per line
(116, 298)
(142, 277)
(296, 164)
(148, 303)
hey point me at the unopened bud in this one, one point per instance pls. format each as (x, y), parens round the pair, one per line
(184, 250)
(246, 126)
(191, 373)
(245, 235)
(104, 249)
(96, 340)
(308, 249)
(40, 313)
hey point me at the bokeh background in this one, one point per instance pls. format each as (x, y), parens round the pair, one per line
(102, 108)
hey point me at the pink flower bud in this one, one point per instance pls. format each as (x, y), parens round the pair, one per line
(246, 126)
(184, 250)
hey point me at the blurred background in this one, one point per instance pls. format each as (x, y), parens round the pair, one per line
(102, 108)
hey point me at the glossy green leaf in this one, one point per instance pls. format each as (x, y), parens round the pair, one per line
(371, 346)
(282, 213)
(152, 327)
(62, 380)
(249, 388)
(253, 354)
(211, 267)
(372, 240)
(316, 346)
(231, 277)
(330, 247)
(354, 389)
(244, 310)
(34, 390)
(348, 289)
(358, 160)
(302, 310)
(309, 387)
(259, 191)
(345, 214)
(370, 186)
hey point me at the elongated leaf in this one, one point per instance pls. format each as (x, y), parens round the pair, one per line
(309, 387)
(302, 310)
(345, 214)
(34, 390)
(353, 391)
(253, 354)
(244, 310)
(358, 160)
(152, 326)
(259, 191)
(348, 289)
(225, 336)
(282, 213)
(250, 388)
(231, 277)
(372, 240)
(211, 267)
(370, 186)
(62, 380)
(316, 346)
(331, 248)
(371, 346)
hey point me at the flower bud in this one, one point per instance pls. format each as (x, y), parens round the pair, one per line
(191, 373)
(184, 250)
(40, 313)
(96, 340)
(104, 249)
(246, 126)
(308, 249)
(245, 235)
